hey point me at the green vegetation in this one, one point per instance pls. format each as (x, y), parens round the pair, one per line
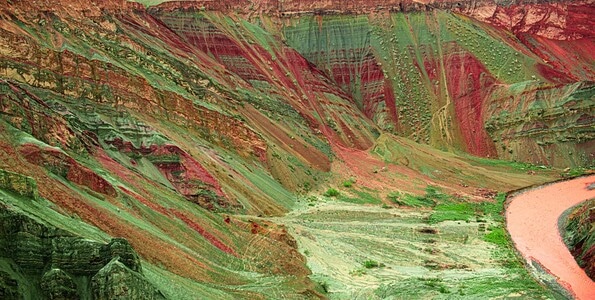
(466, 211)
(150, 2)
(409, 200)
(452, 212)
(575, 172)
(361, 198)
(348, 183)
(370, 264)
(515, 165)
(497, 236)
(579, 234)
(331, 193)
(432, 196)
(435, 283)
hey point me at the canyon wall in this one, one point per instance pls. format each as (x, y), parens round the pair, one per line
(430, 76)
(176, 126)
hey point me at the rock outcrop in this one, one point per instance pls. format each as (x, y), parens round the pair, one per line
(57, 284)
(579, 235)
(116, 281)
(22, 185)
(50, 263)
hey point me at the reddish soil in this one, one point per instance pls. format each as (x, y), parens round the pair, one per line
(469, 85)
(532, 220)
(207, 235)
(293, 145)
(73, 171)
(373, 173)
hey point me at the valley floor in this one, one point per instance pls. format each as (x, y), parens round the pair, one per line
(373, 252)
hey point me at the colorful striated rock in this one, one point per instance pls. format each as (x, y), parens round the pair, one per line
(190, 128)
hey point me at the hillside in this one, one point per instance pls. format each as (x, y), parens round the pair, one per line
(202, 136)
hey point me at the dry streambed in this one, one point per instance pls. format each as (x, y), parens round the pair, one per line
(369, 252)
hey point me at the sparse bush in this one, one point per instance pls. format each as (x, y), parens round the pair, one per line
(348, 183)
(324, 286)
(358, 272)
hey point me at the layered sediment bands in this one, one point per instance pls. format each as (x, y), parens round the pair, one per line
(276, 79)
(174, 126)
(84, 85)
(435, 76)
(76, 76)
(17, 183)
(579, 235)
(181, 170)
(470, 84)
(60, 164)
(29, 113)
(544, 123)
(285, 7)
(342, 48)
(559, 33)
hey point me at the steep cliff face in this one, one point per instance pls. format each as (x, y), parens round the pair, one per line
(579, 235)
(51, 263)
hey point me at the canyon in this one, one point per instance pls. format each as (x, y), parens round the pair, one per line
(271, 149)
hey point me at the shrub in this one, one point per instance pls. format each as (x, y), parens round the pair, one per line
(369, 264)
(331, 193)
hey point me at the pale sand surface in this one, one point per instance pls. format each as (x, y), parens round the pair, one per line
(532, 220)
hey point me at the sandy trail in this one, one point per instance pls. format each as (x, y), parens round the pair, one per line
(532, 220)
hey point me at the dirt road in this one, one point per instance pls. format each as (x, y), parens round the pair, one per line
(532, 220)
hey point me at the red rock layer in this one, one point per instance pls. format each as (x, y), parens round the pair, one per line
(61, 164)
(469, 85)
(559, 20)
